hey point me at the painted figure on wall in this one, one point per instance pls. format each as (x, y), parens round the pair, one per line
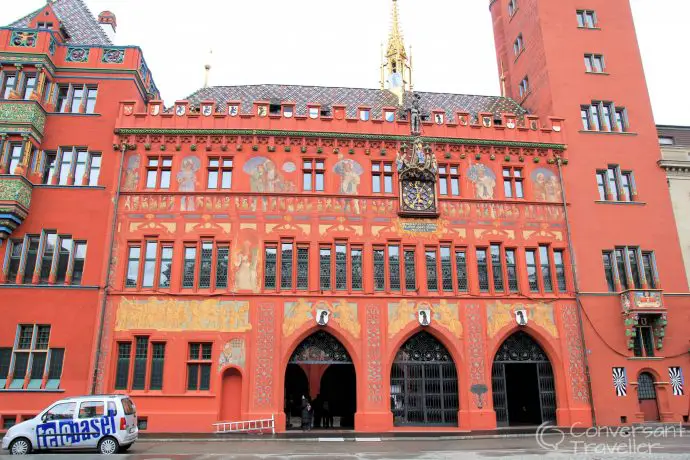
(349, 172)
(131, 181)
(484, 181)
(264, 176)
(546, 186)
(186, 180)
(247, 261)
(295, 315)
(233, 353)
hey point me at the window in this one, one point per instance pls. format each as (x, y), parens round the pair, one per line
(205, 264)
(15, 157)
(345, 277)
(72, 166)
(341, 267)
(545, 268)
(431, 255)
(666, 140)
(60, 257)
(518, 45)
(531, 260)
(381, 177)
(222, 261)
(219, 173)
(76, 98)
(325, 268)
(199, 366)
(286, 263)
(356, 270)
(313, 175)
(410, 273)
(586, 19)
(644, 342)
(524, 87)
(29, 85)
(189, 266)
(539, 269)
(512, 7)
(270, 269)
(594, 63)
(31, 363)
(634, 268)
(512, 183)
(165, 266)
(379, 269)
(511, 270)
(559, 265)
(482, 270)
(461, 269)
(150, 255)
(7, 84)
(448, 180)
(604, 116)
(44, 25)
(210, 271)
(446, 269)
(91, 409)
(615, 184)
(133, 266)
(158, 172)
(142, 365)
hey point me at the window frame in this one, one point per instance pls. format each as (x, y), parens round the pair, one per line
(628, 282)
(583, 16)
(199, 362)
(146, 363)
(312, 170)
(518, 45)
(619, 184)
(604, 116)
(221, 169)
(591, 60)
(513, 183)
(38, 345)
(449, 180)
(162, 166)
(66, 98)
(382, 172)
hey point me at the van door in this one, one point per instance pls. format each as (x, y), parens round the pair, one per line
(93, 422)
(130, 413)
(57, 428)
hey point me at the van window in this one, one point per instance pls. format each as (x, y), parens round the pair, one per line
(128, 406)
(91, 409)
(112, 410)
(63, 411)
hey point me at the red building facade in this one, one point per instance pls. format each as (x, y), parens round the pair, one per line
(400, 258)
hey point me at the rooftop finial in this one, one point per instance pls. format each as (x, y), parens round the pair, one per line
(503, 80)
(396, 44)
(207, 68)
(396, 64)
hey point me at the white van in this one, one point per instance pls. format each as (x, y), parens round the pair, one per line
(104, 422)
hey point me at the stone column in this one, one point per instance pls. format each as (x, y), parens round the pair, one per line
(4, 146)
(14, 94)
(40, 84)
(22, 167)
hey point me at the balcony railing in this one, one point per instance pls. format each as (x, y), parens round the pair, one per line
(22, 117)
(642, 301)
(15, 200)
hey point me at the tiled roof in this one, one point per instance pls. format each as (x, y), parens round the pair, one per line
(81, 25)
(353, 98)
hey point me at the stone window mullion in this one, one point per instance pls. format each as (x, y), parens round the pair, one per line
(4, 152)
(22, 260)
(70, 263)
(39, 258)
(640, 268)
(54, 263)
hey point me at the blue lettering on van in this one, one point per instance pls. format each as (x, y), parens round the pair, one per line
(61, 433)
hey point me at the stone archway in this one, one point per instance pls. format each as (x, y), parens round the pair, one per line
(330, 381)
(231, 408)
(524, 390)
(424, 384)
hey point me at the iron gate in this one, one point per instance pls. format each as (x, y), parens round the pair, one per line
(645, 387)
(521, 348)
(424, 384)
(320, 348)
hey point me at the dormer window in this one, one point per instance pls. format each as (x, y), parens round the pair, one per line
(44, 25)
(325, 111)
(364, 114)
(512, 7)
(274, 108)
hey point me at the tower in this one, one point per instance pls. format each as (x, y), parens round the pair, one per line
(396, 65)
(583, 63)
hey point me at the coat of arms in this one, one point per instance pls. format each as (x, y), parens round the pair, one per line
(322, 317)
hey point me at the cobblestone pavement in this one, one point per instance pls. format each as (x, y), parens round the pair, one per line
(523, 447)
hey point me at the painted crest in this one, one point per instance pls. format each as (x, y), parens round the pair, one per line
(128, 109)
(521, 317)
(206, 110)
(424, 316)
(313, 112)
(438, 118)
(180, 110)
(486, 121)
(155, 110)
(262, 110)
(287, 112)
(557, 128)
(510, 125)
(322, 316)
(233, 110)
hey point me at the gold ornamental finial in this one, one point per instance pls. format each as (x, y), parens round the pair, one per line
(397, 68)
(396, 45)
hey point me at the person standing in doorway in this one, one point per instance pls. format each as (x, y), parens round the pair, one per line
(326, 414)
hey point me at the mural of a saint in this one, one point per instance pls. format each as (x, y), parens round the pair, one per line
(131, 182)
(349, 172)
(546, 186)
(484, 181)
(186, 180)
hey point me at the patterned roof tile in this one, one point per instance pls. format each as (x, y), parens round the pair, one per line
(81, 25)
(353, 98)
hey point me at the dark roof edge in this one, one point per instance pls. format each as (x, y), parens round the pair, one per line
(683, 127)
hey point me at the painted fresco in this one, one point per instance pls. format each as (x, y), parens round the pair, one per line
(233, 354)
(484, 181)
(264, 176)
(131, 180)
(247, 262)
(403, 313)
(545, 185)
(183, 315)
(499, 315)
(186, 180)
(349, 172)
(344, 313)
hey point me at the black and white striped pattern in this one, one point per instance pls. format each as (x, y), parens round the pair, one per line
(620, 381)
(676, 376)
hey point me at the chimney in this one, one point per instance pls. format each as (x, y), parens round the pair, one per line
(108, 23)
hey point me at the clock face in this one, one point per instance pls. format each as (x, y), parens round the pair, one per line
(418, 195)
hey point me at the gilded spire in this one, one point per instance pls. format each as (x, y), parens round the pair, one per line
(396, 44)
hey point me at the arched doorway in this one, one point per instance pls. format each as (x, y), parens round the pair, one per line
(232, 395)
(523, 385)
(646, 395)
(322, 370)
(424, 384)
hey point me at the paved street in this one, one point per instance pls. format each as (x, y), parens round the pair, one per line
(596, 447)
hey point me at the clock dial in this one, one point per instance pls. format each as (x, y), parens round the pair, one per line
(418, 196)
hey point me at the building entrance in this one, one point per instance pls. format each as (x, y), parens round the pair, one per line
(320, 374)
(524, 390)
(646, 395)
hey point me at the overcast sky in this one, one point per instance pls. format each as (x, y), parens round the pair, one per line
(329, 43)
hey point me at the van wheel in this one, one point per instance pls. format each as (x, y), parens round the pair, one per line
(108, 446)
(20, 446)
